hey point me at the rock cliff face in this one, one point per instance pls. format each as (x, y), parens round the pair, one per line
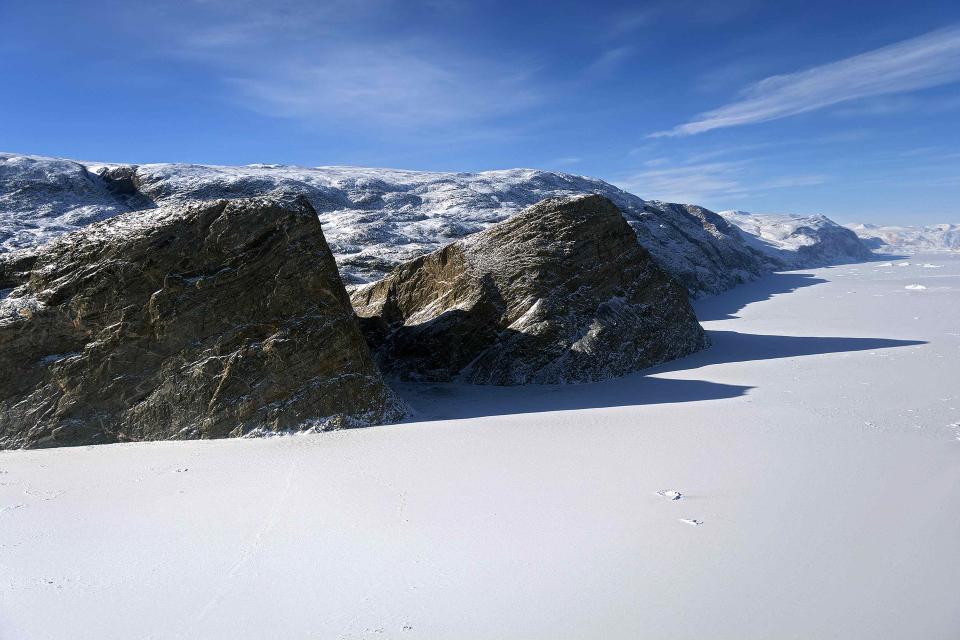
(562, 292)
(698, 247)
(799, 242)
(205, 320)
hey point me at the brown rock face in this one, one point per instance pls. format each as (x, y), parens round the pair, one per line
(562, 292)
(195, 321)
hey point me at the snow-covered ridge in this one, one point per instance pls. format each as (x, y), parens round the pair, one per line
(41, 198)
(908, 239)
(372, 218)
(376, 218)
(799, 241)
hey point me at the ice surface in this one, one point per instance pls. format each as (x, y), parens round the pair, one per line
(533, 513)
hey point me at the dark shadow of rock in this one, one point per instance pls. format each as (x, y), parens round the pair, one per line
(457, 401)
(727, 304)
(451, 401)
(732, 346)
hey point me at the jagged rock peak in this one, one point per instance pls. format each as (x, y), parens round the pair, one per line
(562, 292)
(200, 320)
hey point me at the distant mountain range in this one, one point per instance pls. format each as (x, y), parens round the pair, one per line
(909, 240)
(375, 219)
(799, 241)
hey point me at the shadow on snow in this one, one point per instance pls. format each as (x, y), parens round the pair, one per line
(457, 401)
(725, 305)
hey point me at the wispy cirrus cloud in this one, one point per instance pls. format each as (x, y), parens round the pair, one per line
(393, 84)
(346, 61)
(608, 61)
(564, 161)
(927, 61)
(709, 181)
(626, 22)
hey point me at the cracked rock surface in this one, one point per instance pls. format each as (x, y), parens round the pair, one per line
(202, 320)
(561, 292)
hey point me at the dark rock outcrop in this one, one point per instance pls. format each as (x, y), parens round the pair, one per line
(835, 245)
(194, 321)
(697, 247)
(562, 292)
(122, 181)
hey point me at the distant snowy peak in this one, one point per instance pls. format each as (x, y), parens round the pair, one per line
(909, 240)
(798, 241)
(373, 219)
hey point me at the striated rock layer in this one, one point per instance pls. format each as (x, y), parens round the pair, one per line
(562, 292)
(205, 320)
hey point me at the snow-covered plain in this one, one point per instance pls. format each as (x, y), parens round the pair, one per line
(816, 448)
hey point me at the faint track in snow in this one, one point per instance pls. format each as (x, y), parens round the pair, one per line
(247, 551)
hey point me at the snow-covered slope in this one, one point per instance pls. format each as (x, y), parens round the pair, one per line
(909, 240)
(41, 198)
(372, 218)
(796, 241)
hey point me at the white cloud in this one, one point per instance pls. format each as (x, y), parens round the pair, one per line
(627, 22)
(565, 161)
(926, 61)
(699, 182)
(608, 61)
(343, 61)
(392, 85)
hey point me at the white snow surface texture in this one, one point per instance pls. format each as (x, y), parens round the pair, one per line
(372, 218)
(817, 444)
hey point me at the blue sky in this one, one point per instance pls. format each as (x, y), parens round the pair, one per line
(852, 111)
